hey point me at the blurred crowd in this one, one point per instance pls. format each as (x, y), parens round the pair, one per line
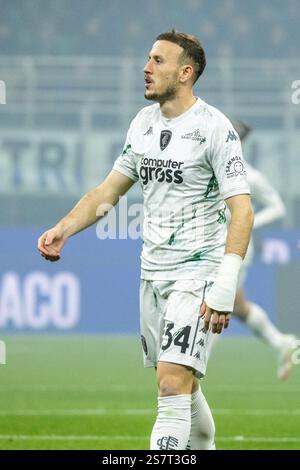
(239, 28)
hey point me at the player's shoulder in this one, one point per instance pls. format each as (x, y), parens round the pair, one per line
(146, 115)
(216, 119)
(141, 128)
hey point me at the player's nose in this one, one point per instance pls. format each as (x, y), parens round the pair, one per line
(148, 67)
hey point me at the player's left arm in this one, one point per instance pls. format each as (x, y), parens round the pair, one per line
(227, 163)
(240, 225)
(220, 299)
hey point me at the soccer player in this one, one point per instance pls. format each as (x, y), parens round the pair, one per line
(188, 159)
(271, 208)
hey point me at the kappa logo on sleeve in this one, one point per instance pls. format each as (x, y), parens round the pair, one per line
(149, 131)
(235, 167)
(231, 136)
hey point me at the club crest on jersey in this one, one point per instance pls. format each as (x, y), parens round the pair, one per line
(165, 137)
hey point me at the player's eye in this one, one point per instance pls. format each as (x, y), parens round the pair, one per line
(158, 60)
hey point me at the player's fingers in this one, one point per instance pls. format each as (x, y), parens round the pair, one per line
(49, 257)
(227, 320)
(41, 241)
(214, 322)
(221, 324)
(49, 252)
(52, 258)
(49, 238)
(202, 309)
(207, 317)
(41, 244)
(47, 242)
(53, 252)
(45, 248)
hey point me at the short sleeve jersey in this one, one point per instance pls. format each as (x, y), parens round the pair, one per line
(187, 166)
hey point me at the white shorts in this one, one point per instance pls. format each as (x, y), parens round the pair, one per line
(171, 329)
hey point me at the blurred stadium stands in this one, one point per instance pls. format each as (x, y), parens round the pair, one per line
(237, 28)
(78, 69)
(74, 80)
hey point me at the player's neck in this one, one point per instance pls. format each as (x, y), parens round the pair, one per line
(177, 106)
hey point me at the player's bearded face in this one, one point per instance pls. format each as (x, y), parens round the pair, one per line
(162, 90)
(162, 72)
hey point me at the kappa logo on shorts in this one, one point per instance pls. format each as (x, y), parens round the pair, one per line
(165, 138)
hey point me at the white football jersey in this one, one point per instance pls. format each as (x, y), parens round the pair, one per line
(186, 166)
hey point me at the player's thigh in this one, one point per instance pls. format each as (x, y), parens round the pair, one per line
(184, 339)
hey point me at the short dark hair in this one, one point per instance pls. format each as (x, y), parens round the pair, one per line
(192, 49)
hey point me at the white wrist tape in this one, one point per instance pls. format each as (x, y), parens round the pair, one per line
(222, 294)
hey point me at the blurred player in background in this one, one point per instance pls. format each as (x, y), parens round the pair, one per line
(271, 208)
(188, 160)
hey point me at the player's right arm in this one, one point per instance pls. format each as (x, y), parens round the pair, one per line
(89, 209)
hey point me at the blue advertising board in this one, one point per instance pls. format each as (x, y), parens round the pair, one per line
(94, 288)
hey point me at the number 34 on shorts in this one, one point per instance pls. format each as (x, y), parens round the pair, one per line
(171, 328)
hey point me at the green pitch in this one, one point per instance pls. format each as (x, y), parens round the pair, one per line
(92, 392)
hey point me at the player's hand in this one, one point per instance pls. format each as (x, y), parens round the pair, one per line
(218, 320)
(51, 243)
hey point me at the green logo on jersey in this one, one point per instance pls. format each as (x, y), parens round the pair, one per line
(172, 239)
(195, 257)
(180, 226)
(212, 186)
(173, 236)
(125, 151)
(222, 216)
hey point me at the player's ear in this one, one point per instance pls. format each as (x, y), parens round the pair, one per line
(186, 73)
